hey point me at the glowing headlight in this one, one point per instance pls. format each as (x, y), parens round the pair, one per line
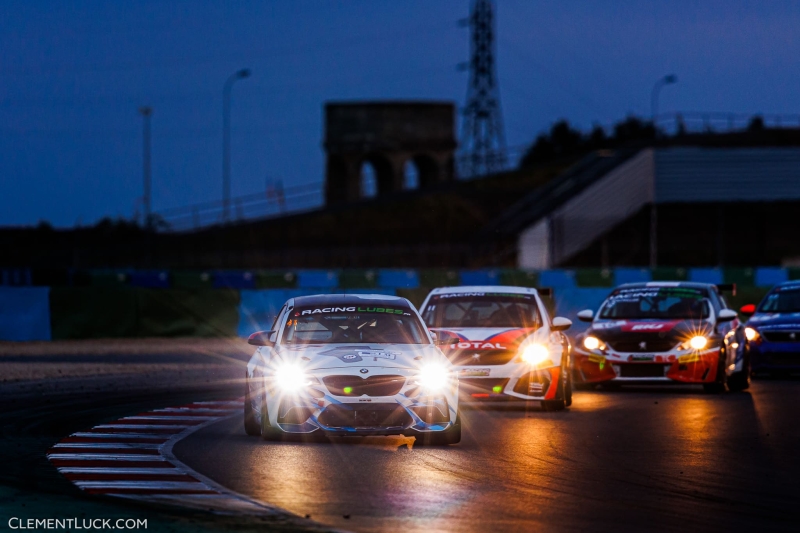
(698, 342)
(432, 377)
(751, 334)
(592, 343)
(290, 378)
(534, 354)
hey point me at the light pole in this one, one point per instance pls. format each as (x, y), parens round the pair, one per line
(669, 79)
(146, 112)
(226, 140)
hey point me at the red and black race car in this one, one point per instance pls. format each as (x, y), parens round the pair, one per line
(661, 332)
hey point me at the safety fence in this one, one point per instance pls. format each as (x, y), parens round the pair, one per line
(98, 311)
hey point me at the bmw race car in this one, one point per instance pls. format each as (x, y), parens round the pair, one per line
(503, 342)
(773, 330)
(663, 332)
(350, 365)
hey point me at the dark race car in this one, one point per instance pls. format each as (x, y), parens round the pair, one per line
(662, 332)
(773, 330)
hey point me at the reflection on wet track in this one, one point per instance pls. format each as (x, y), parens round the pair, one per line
(645, 459)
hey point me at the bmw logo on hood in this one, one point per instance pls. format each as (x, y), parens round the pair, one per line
(363, 370)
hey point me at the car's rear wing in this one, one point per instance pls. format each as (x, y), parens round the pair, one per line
(727, 287)
(545, 291)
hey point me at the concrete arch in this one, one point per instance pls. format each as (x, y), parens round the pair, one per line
(381, 172)
(428, 169)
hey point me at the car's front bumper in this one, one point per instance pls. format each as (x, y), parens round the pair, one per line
(408, 412)
(780, 356)
(508, 382)
(663, 367)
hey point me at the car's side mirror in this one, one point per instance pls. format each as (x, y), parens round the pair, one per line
(747, 310)
(586, 315)
(442, 338)
(261, 338)
(726, 315)
(561, 324)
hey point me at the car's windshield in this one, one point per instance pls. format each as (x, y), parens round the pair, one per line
(482, 310)
(782, 300)
(656, 303)
(353, 324)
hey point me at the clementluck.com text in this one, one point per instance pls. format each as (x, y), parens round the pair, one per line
(76, 523)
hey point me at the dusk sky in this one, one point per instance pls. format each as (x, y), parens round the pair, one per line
(73, 75)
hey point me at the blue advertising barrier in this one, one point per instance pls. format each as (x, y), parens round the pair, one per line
(25, 314)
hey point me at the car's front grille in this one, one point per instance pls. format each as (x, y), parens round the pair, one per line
(781, 336)
(643, 345)
(477, 357)
(365, 416)
(642, 370)
(357, 386)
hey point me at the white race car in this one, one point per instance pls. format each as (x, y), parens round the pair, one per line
(350, 365)
(503, 342)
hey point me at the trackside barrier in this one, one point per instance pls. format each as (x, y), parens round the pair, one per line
(25, 314)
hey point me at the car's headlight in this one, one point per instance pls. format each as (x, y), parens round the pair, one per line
(533, 354)
(698, 342)
(433, 377)
(751, 334)
(291, 377)
(591, 342)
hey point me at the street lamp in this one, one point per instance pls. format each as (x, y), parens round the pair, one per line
(146, 112)
(226, 140)
(669, 79)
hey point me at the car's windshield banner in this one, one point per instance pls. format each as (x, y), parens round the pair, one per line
(349, 309)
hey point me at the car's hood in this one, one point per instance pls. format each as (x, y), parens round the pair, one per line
(775, 320)
(320, 356)
(610, 330)
(488, 338)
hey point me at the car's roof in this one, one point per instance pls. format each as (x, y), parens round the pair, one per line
(318, 300)
(484, 288)
(684, 284)
(790, 283)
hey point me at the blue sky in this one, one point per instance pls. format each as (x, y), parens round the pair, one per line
(73, 75)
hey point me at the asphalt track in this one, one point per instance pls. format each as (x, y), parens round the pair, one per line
(645, 459)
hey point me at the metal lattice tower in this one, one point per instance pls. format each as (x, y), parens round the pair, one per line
(482, 139)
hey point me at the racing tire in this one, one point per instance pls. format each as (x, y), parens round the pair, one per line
(268, 432)
(451, 435)
(252, 426)
(568, 390)
(739, 381)
(718, 385)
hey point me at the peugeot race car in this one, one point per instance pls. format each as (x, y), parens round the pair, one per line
(350, 365)
(773, 330)
(662, 332)
(503, 343)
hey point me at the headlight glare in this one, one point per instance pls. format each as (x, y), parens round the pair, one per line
(592, 343)
(751, 334)
(432, 377)
(291, 378)
(698, 342)
(533, 354)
